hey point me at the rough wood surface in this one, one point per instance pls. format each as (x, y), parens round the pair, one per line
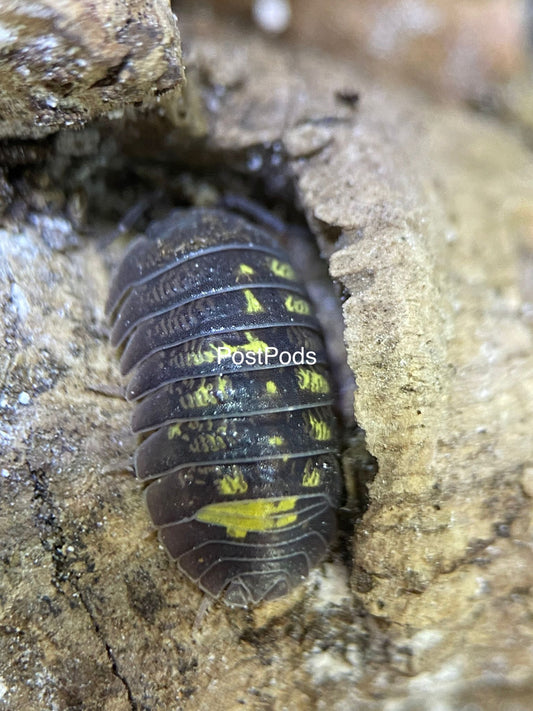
(63, 63)
(426, 215)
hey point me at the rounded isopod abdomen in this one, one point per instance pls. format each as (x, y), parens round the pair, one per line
(233, 402)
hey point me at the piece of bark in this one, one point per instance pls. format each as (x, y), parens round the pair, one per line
(64, 63)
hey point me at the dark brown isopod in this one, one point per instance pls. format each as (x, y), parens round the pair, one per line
(228, 371)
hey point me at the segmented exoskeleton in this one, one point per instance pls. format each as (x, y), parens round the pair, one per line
(240, 448)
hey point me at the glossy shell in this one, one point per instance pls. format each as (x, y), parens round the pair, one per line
(240, 450)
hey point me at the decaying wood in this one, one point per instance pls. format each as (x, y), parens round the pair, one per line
(63, 63)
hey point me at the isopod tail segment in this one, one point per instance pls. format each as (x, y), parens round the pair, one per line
(240, 455)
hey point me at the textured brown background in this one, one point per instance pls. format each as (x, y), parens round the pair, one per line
(64, 63)
(426, 215)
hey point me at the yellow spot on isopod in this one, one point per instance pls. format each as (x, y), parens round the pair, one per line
(254, 345)
(319, 429)
(295, 305)
(200, 397)
(242, 517)
(311, 476)
(253, 305)
(175, 430)
(282, 269)
(271, 387)
(311, 380)
(246, 270)
(233, 483)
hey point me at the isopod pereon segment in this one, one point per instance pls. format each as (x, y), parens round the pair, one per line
(240, 451)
